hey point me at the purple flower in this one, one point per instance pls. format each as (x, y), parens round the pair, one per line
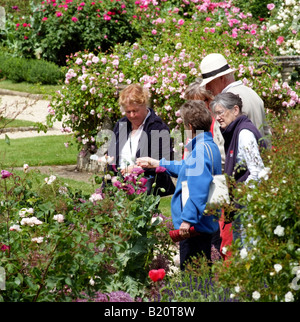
(5, 174)
(160, 169)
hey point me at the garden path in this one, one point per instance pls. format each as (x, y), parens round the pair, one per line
(12, 102)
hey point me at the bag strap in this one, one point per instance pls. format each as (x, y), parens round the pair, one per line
(210, 154)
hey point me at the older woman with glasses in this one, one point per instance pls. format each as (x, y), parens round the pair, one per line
(242, 140)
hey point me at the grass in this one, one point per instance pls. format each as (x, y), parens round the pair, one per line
(15, 123)
(29, 88)
(44, 150)
(38, 178)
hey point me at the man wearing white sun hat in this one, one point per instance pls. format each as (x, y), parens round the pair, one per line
(218, 77)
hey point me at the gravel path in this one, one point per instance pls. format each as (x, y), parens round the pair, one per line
(37, 110)
(13, 103)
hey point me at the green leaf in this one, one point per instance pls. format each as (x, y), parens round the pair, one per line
(7, 139)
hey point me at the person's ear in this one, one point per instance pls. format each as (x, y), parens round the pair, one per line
(237, 110)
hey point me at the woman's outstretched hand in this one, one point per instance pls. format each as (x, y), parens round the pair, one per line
(147, 162)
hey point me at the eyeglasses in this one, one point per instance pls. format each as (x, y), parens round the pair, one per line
(219, 113)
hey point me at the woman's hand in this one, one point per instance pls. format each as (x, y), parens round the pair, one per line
(184, 229)
(146, 162)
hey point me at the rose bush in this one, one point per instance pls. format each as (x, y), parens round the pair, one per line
(57, 28)
(165, 61)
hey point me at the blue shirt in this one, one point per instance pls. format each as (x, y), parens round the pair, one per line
(196, 169)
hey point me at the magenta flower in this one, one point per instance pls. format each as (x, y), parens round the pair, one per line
(270, 6)
(4, 248)
(180, 22)
(5, 174)
(160, 169)
(137, 171)
(74, 19)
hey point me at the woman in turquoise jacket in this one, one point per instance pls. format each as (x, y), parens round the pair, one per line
(196, 172)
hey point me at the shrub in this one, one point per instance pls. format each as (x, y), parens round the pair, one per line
(60, 245)
(33, 71)
(59, 28)
(266, 267)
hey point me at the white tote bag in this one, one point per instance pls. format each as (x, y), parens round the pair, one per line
(218, 190)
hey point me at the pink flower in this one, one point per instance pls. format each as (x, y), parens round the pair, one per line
(279, 40)
(180, 22)
(270, 6)
(253, 32)
(5, 174)
(58, 14)
(74, 19)
(45, 19)
(160, 169)
(154, 32)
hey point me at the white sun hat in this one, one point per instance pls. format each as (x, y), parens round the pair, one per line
(213, 66)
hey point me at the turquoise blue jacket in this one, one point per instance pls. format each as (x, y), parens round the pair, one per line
(196, 169)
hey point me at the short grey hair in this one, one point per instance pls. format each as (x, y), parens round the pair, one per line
(227, 100)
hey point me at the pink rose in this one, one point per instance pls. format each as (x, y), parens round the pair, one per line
(74, 19)
(279, 40)
(270, 6)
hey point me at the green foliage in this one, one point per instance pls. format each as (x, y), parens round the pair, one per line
(58, 244)
(32, 71)
(52, 32)
(269, 259)
(165, 61)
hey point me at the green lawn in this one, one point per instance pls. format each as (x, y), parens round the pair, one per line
(4, 122)
(29, 88)
(44, 150)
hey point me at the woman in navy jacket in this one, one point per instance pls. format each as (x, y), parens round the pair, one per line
(196, 170)
(141, 133)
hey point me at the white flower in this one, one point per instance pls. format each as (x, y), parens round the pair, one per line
(224, 250)
(15, 228)
(23, 212)
(237, 289)
(243, 253)
(59, 218)
(38, 240)
(106, 159)
(255, 295)
(95, 197)
(277, 268)
(30, 221)
(50, 179)
(263, 174)
(176, 260)
(289, 297)
(279, 231)
(25, 167)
